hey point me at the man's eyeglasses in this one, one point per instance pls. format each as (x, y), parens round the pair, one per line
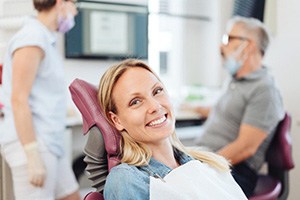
(226, 38)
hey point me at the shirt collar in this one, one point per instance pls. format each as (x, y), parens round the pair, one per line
(254, 75)
(155, 167)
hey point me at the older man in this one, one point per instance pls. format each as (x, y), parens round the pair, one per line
(242, 123)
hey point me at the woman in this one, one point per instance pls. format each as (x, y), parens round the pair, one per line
(34, 106)
(155, 165)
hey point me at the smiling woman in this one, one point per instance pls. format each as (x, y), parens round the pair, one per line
(154, 163)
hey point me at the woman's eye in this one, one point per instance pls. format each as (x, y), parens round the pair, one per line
(134, 102)
(158, 90)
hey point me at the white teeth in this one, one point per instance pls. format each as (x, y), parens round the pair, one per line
(159, 121)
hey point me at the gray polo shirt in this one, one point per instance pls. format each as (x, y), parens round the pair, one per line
(252, 100)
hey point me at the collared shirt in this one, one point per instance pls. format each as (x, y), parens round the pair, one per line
(131, 182)
(47, 99)
(253, 100)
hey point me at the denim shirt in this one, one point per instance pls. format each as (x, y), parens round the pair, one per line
(130, 182)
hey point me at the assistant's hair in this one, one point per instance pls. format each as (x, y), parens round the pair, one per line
(254, 28)
(134, 152)
(43, 5)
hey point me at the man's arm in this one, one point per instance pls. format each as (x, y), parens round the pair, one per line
(246, 144)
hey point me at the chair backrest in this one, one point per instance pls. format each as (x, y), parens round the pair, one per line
(102, 148)
(84, 96)
(279, 155)
(275, 184)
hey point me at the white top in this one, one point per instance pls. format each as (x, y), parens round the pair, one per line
(195, 180)
(47, 98)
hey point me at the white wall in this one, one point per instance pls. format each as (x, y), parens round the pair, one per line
(11, 18)
(283, 57)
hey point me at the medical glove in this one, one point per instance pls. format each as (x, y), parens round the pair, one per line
(36, 168)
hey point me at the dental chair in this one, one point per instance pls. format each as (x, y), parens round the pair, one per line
(102, 147)
(275, 184)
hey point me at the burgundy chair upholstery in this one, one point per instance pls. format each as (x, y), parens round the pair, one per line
(94, 196)
(275, 184)
(102, 148)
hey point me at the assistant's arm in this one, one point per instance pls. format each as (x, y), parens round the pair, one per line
(25, 65)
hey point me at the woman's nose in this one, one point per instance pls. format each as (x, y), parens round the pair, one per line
(153, 105)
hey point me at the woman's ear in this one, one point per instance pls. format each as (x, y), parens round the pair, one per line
(115, 119)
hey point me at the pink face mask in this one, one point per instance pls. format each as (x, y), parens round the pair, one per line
(65, 23)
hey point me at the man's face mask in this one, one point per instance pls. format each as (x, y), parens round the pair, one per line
(231, 63)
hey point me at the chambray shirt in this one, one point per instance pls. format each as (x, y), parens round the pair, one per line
(131, 182)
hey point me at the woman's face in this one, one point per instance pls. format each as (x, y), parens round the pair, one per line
(143, 107)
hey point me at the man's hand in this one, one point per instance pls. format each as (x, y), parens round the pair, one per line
(202, 111)
(36, 168)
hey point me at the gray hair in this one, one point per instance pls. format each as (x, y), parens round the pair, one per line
(254, 28)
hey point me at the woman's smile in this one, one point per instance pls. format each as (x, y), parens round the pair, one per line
(157, 122)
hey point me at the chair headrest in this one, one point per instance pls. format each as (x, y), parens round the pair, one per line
(84, 96)
(280, 150)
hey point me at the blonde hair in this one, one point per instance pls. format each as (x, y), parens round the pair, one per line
(134, 152)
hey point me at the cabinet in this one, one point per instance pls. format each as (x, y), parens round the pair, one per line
(6, 189)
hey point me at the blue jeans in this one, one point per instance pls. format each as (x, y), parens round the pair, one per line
(245, 177)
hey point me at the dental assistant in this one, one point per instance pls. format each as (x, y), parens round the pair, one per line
(32, 133)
